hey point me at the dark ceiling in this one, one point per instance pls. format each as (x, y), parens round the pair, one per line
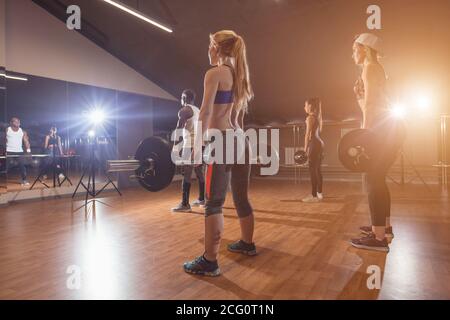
(296, 48)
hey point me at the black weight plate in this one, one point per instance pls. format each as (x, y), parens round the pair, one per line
(159, 151)
(300, 157)
(355, 150)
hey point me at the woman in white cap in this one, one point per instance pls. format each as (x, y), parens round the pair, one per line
(370, 92)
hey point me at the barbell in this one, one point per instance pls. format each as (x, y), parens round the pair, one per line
(154, 168)
(152, 164)
(360, 149)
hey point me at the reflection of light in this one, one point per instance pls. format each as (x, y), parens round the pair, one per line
(100, 273)
(91, 133)
(398, 110)
(138, 15)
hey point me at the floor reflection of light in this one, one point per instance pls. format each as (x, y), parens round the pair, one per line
(100, 266)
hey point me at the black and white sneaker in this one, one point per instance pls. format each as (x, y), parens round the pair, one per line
(240, 246)
(182, 208)
(367, 230)
(198, 203)
(202, 267)
(370, 243)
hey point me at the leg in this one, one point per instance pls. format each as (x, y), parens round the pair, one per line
(22, 168)
(240, 177)
(314, 177)
(379, 202)
(319, 174)
(217, 181)
(187, 176)
(201, 182)
(184, 206)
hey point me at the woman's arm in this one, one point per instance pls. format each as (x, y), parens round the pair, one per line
(60, 146)
(308, 131)
(371, 79)
(46, 142)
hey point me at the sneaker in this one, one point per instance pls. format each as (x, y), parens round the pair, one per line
(182, 208)
(368, 230)
(320, 196)
(240, 246)
(370, 243)
(201, 266)
(198, 203)
(25, 183)
(311, 199)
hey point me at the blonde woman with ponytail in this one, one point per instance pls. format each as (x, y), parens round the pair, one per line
(227, 92)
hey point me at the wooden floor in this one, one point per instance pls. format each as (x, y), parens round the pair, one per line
(132, 247)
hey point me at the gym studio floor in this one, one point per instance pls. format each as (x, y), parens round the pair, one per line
(133, 247)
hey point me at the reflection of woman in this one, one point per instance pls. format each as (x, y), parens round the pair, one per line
(53, 147)
(314, 147)
(370, 93)
(226, 95)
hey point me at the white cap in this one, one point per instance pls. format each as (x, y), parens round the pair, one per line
(370, 40)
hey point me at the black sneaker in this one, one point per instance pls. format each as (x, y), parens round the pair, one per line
(370, 243)
(201, 266)
(368, 230)
(240, 246)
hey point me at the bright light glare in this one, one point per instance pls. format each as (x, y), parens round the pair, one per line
(91, 133)
(398, 111)
(97, 116)
(422, 102)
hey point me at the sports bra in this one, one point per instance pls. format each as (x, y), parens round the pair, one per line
(222, 96)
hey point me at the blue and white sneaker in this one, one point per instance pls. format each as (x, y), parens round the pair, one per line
(202, 267)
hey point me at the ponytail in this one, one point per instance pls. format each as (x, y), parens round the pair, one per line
(242, 87)
(232, 45)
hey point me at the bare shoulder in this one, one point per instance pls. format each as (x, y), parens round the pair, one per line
(213, 73)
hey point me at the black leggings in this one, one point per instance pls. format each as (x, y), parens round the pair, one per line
(387, 143)
(378, 191)
(315, 170)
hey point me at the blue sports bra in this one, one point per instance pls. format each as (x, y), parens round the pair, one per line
(224, 97)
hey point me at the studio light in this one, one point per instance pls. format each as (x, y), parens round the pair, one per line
(398, 110)
(137, 14)
(97, 116)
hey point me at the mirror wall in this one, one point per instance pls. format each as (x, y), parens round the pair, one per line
(68, 126)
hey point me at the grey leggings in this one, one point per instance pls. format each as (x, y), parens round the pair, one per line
(218, 178)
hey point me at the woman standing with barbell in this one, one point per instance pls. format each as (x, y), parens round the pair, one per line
(227, 91)
(370, 93)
